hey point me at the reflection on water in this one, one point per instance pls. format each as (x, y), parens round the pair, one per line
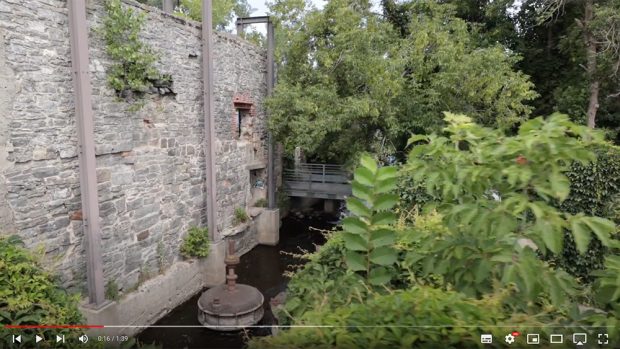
(263, 268)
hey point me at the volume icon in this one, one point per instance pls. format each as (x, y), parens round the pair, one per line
(83, 338)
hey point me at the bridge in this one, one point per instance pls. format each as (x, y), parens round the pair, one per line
(322, 181)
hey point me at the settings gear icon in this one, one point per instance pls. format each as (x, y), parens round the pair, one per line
(509, 339)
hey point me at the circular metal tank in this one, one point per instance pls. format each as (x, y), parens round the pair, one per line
(231, 306)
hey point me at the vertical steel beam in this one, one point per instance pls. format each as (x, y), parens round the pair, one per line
(271, 178)
(78, 29)
(207, 81)
(168, 6)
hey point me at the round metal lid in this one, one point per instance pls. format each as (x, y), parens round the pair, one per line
(220, 301)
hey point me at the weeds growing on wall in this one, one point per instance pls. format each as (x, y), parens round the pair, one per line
(133, 72)
(240, 216)
(196, 243)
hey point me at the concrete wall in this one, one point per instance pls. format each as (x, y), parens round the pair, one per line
(150, 162)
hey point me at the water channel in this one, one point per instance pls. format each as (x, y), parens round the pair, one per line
(263, 268)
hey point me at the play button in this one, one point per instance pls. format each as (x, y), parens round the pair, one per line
(37, 338)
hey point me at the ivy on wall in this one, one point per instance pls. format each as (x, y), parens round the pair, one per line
(133, 72)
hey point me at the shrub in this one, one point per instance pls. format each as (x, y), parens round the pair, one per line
(196, 243)
(30, 295)
(262, 202)
(111, 291)
(133, 69)
(474, 259)
(240, 216)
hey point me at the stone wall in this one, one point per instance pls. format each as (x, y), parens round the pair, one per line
(150, 162)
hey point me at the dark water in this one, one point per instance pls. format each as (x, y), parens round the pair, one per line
(263, 268)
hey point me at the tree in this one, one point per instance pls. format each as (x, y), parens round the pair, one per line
(224, 11)
(352, 80)
(588, 33)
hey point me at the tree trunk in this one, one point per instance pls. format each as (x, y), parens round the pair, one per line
(591, 64)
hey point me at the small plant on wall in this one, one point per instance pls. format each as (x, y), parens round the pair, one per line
(196, 243)
(133, 71)
(240, 216)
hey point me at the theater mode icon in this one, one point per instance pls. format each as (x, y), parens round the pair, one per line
(486, 338)
(556, 339)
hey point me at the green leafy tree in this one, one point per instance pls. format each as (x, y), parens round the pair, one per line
(368, 235)
(473, 260)
(224, 11)
(349, 79)
(579, 42)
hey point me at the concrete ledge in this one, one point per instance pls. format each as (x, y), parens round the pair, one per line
(158, 296)
(268, 225)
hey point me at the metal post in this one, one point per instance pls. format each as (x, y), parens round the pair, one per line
(78, 30)
(207, 80)
(168, 6)
(271, 178)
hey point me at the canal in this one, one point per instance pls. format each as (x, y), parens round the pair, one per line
(263, 267)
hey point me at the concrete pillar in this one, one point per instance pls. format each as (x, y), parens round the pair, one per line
(168, 6)
(268, 226)
(329, 206)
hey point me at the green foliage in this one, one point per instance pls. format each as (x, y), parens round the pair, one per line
(350, 80)
(224, 11)
(473, 259)
(554, 51)
(240, 216)
(418, 317)
(111, 291)
(594, 190)
(498, 191)
(262, 202)
(196, 243)
(368, 235)
(133, 69)
(29, 295)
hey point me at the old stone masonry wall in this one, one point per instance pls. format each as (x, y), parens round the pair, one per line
(150, 162)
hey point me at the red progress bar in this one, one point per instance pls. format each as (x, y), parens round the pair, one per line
(51, 326)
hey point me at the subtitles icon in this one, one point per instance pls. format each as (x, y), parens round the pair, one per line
(486, 338)
(556, 339)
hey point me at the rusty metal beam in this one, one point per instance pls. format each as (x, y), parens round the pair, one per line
(207, 80)
(78, 29)
(271, 178)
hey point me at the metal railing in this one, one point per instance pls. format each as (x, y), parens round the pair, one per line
(317, 180)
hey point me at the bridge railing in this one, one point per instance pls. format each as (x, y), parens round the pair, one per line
(317, 180)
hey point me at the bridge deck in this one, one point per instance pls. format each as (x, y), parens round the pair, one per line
(324, 181)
